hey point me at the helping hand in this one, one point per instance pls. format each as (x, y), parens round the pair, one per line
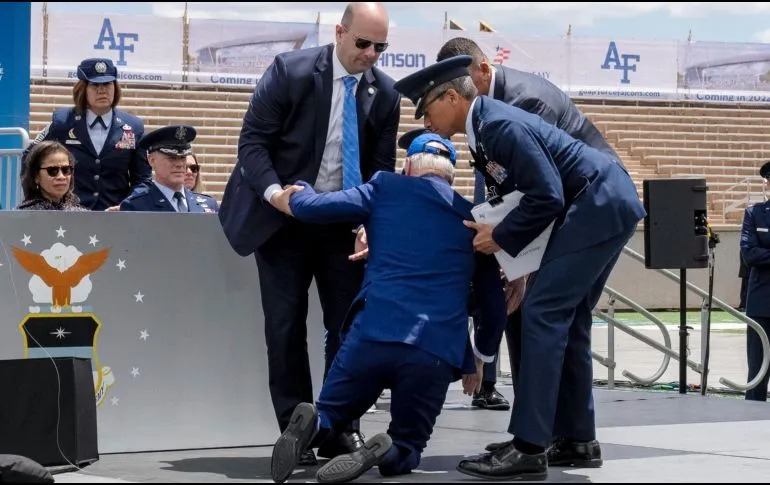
(472, 382)
(361, 246)
(483, 241)
(280, 200)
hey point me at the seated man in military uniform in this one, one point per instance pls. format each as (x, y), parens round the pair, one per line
(167, 149)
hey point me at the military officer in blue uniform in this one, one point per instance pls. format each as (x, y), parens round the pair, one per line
(409, 328)
(755, 252)
(167, 149)
(596, 209)
(101, 137)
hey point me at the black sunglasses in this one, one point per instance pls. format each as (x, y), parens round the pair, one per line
(53, 171)
(194, 168)
(363, 44)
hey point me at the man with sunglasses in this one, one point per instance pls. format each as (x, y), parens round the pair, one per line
(167, 149)
(596, 209)
(326, 115)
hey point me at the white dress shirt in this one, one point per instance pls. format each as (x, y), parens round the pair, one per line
(98, 133)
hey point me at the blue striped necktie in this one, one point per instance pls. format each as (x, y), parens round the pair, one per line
(351, 169)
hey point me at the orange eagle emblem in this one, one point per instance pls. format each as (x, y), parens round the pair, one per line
(60, 282)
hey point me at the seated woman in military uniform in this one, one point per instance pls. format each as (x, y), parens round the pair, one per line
(48, 183)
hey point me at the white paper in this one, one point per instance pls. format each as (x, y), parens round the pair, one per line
(529, 258)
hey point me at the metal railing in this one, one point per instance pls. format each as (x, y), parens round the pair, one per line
(10, 168)
(747, 196)
(665, 348)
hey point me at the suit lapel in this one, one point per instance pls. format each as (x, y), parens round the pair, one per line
(764, 210)
(81, 133)
(365, 95)
(115, 134)
(323, 101)
(161, 202)
(499, 92)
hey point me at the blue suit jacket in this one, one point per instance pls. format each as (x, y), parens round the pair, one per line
(149, 198)
(284, 135)
(592, 197)
(421, 263)
(755, 251)
(103, 179)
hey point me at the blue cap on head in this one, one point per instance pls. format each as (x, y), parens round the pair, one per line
(172, 140)
(97, 70)
(407, 138)
(416, 86)
(764, 171)
(422, 144)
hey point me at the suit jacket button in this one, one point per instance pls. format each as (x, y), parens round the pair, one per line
(96, 177)
(97, 161)
(96, 194)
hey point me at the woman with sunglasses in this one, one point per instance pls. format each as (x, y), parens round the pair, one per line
(192, 182)
(48, 181)
(101, 137)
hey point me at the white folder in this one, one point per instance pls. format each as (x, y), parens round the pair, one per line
(529, 258)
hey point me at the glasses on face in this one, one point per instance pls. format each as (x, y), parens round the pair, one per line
(435, 98)
(194, 168)
(54, 170)
(363, 44)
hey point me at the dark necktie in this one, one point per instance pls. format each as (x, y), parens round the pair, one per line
(351, 168)
(100, 121)
(180, 202)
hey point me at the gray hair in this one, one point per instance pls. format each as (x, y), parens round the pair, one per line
(463, 85)
(431, 163)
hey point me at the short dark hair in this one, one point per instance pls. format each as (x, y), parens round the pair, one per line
(80, 97)
(34, 161)
(461, 46)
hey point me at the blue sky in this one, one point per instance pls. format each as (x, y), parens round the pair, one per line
(709, 21)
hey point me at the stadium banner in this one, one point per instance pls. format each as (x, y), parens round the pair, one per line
(724, 72)
(237, 52)
(143, 47)
(544, 57)
(622, 69)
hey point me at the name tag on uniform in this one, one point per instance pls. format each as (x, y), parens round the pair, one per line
(761, 229)
(72, 142)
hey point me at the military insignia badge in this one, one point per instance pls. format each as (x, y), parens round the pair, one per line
(100, 67)
(128, 140)
(496, 171)
(181, 133)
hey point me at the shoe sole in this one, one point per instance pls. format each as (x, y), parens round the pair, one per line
(593, 463)
(529, 477)
(344, 468)
(493, 407)
(293, 442)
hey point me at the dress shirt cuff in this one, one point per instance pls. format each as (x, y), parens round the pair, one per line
(271, 190)
(484, 358)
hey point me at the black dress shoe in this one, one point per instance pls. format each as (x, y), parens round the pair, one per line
(490, 399)
(293, 442)
(492, 447)
(580, 454)
(507, 463)
(341, 444)
(307, 459)
(344, 468)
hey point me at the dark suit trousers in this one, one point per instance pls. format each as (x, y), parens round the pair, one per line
(754, 355)
(513, 340)
(287, 264)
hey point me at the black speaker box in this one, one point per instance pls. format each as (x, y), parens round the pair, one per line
(46, 415)
(675, 233)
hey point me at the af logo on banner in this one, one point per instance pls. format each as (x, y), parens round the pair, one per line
(59, 323)
(107, 37)
(613, 57)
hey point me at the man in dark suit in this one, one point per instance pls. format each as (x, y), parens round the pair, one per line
(409, 328)
(755, 251)
(167, 149)
(539, 96)
(595, 207)
(101, 137)
(328, 116)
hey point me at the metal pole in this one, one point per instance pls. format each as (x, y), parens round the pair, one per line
(682, 330)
